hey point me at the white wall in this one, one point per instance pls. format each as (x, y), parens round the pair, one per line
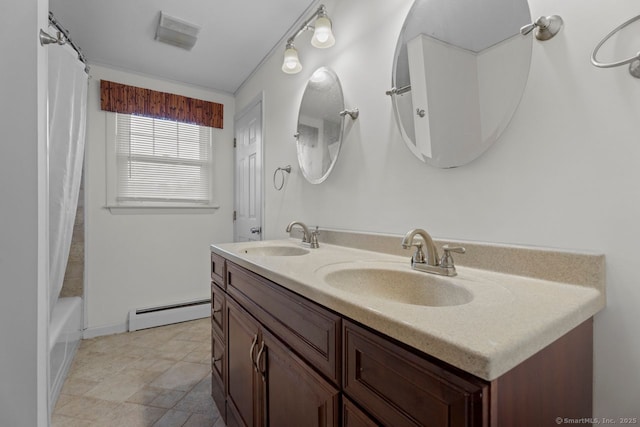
(24, 255)
(565, 174)
(149, 259)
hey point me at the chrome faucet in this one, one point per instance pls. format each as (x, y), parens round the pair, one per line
(430, 263)
(308, 237)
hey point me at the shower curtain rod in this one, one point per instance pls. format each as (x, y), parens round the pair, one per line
(47, 38)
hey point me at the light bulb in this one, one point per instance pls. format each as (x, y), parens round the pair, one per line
(291, 63)
(318, 76)
(322, 34)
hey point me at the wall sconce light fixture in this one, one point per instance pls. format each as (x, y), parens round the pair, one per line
(322, 38)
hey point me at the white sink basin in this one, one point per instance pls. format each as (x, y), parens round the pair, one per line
(275, 251)
(397, 284)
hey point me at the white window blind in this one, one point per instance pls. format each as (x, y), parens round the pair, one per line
(162, 161)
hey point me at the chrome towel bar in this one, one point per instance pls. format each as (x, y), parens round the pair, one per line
(634, 61)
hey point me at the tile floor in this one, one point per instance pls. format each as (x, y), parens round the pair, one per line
(159, 377)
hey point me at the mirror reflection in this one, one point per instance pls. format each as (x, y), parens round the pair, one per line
(319, 133)
(460, 69)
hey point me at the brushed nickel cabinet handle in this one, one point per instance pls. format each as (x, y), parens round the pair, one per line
(260, 353)
(253, 344)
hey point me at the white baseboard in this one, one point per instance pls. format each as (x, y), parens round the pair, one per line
(56, 387)
(144, 318)
(166, 315)
(104, 330)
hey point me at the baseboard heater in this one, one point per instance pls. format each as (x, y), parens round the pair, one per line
(151, 317)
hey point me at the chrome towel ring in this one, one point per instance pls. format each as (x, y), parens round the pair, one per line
(286, 169)
(634, 61)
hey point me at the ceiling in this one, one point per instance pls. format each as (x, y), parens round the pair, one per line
(235, 36)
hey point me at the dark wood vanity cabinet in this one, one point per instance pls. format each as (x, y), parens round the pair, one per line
(309, 329)
(282, 360)
(352, 416)
(218, 270)
(244, 387)
(400, 388)
(218, 374)
(268, 383)
(218, 334)
(297, 395)
(218, 316)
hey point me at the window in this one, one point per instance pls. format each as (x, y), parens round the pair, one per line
(159, 163)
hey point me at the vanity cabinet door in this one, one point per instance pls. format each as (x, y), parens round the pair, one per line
(297, 395)
(309, 329)
(218, 375)
(352, 416)
(399, 388)
(268, 385)
(243, 382)
(218, 349)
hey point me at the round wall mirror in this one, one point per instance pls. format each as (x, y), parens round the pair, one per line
(319, 133)
(459, 71)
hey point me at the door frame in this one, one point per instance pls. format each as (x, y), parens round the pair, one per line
(258, 99)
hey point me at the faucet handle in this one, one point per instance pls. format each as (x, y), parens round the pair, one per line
(418, 257)
(314, 239)
(447, 259)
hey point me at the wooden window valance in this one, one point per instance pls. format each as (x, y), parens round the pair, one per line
(120, 98)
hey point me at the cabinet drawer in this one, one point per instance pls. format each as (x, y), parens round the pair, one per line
(218, 304)
(217, 270)
(310, 330)
(399, 388)
(218, 372)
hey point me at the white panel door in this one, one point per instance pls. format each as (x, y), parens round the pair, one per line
(248, 173)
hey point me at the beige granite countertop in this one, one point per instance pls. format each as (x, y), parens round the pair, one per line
(510, 318)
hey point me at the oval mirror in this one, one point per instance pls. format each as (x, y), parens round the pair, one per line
(319, 133)
(459, 71)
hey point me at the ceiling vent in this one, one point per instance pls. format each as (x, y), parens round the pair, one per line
(177, 32)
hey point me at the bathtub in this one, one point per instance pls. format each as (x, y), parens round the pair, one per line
(65, 331)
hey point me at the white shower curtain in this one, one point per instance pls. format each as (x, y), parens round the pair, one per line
(67, 122)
